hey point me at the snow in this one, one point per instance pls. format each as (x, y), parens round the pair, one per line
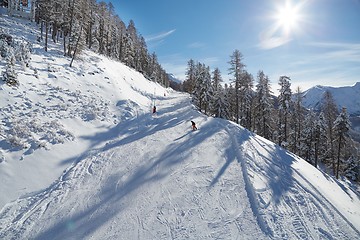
(117, 171)
(347, 96)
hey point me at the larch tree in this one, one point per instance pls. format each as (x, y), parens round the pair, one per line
(189, 82)
(246, 99)
(320, 139)
(236, 70)
(285, 103)
(297, 121)
(341, 128)
(219, 105)
(306, 147)
(330, 112)
(263, 106)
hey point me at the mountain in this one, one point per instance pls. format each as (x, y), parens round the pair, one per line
(175, 83)
(83, 157)
(174, 79)
(343, 96)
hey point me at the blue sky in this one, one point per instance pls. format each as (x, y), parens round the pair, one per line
(311, 41)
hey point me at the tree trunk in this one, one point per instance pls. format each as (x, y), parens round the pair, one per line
(316, 153)
(338, 158)
(76, 47)
(71, 26)
(46, 35)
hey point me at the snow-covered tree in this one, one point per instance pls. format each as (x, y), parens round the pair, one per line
(306, 149)
(263, 106)
(296, 122)
(24, 49)
(219, 104)
(246, 99)
(320, 139)
(352, 167)
(202, 92)
(341, 128)
(330, 112)
(10, 75)
(285, 103)
(236, 70)
(189, 82)
(230, 96)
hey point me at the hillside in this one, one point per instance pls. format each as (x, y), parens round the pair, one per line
(94, 163)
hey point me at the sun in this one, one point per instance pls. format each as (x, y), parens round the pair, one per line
(287, 22)
(288, 17)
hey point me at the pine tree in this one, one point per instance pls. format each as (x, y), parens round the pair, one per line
(320, 139)
(44, 12)
(352, 168)
(297, 121)
(203, 90)
(306, 148)
(216, 79)
(330, 112)
(284, 109)
(207, 90)
(230, 96)
(237, 69)
(263, 106)
(219, 105)
(246, 100)
(341, 127)
(189, 82)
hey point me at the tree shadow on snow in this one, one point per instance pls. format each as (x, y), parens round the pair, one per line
(150, 172)
(277, 167)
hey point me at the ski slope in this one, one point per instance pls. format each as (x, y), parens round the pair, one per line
(156, 179)
(120, 172)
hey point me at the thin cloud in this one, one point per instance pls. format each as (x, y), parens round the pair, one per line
(159, 36)
(270, 40)
(210, 60)
(339, 51)
(196, 45)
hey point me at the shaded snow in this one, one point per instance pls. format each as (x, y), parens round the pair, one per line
(123, 173)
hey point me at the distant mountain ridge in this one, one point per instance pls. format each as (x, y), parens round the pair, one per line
(173, 78)
(348, 96)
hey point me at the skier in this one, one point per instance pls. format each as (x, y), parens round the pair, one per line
(154, 109)
(193, 126)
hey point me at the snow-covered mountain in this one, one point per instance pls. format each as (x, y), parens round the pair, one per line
(174, 79)
(93, 162)
(348, 97)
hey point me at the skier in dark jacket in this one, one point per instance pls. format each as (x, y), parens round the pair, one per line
(193, 125)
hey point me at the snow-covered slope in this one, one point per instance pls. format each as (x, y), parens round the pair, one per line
(51, 116)
(107, 168)
(348, 97)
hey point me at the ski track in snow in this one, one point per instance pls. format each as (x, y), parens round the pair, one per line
(159, 180)
(126, 181)
(300, 212)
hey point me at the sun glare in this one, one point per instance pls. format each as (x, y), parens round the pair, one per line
(288, 17)
(288, 23)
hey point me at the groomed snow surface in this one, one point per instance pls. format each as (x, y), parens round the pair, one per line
(110, 169)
